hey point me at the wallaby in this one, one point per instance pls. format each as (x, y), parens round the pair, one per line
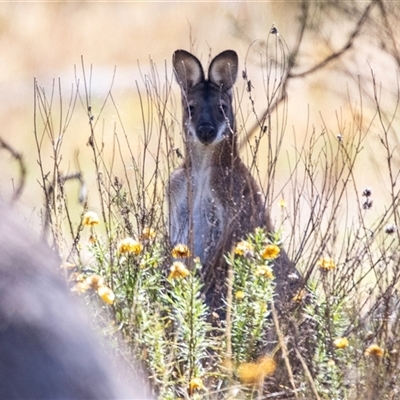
(47, 348)
(214, 200)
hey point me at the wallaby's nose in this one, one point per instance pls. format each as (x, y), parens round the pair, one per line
(206, 133)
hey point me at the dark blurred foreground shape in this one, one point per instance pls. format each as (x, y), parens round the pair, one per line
(47, 348)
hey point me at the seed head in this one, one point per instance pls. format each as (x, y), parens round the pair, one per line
(367, 204)
(367, 192)
(273, 30)
(390, 229)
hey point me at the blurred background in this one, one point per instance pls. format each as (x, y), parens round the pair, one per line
(47, 41)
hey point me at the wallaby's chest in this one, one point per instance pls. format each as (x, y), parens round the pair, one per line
(208, 214)
(197, 202)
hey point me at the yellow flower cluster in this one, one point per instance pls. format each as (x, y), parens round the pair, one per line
(148, 233)
(253, 373)
(80, 287)
(90, 219)
(243, 247)
(265, 271)
(239, 295)
(270, 252)
(130, 246)
(95, 282)
(299, 296)
(180, 251)
(106, 294)
(195, 384)
(178, 270)
(326, 263)
(374, 350)
(341, 343)
(282, 203)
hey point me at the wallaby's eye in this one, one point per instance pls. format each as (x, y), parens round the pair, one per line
(190, 110)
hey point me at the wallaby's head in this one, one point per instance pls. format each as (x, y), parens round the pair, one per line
(207, 103)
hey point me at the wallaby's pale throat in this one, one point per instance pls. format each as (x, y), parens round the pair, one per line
(214, 200)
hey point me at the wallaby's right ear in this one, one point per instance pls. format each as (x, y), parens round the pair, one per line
(187, 68)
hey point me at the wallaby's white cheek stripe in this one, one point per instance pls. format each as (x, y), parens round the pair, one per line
(192, 131)
(221, 131)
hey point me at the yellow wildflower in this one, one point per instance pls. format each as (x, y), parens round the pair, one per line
(106, 294)
(180, 251)
(93, 239)
(326, 263)
(374, 350)
(299, 296)
(253, 373)
(90, 219)
(195, 383)
(148, 233)
(341, 343)
(80, 287)
(270, 252)
(282, 203)
(243, 247)
(178, 270)
(239, 295)
(129, 245)
(265, 271)
(95, 281)
(79, 277)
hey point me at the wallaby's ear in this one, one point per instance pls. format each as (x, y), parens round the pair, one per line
(224, 69)
(187, 68)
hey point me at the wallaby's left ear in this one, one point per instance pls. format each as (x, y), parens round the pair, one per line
(187, 69)
(224, 69)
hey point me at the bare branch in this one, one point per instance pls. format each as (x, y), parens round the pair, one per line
(22, 168)
(347, 46)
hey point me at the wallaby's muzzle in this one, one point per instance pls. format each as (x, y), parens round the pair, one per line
(206, 133)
